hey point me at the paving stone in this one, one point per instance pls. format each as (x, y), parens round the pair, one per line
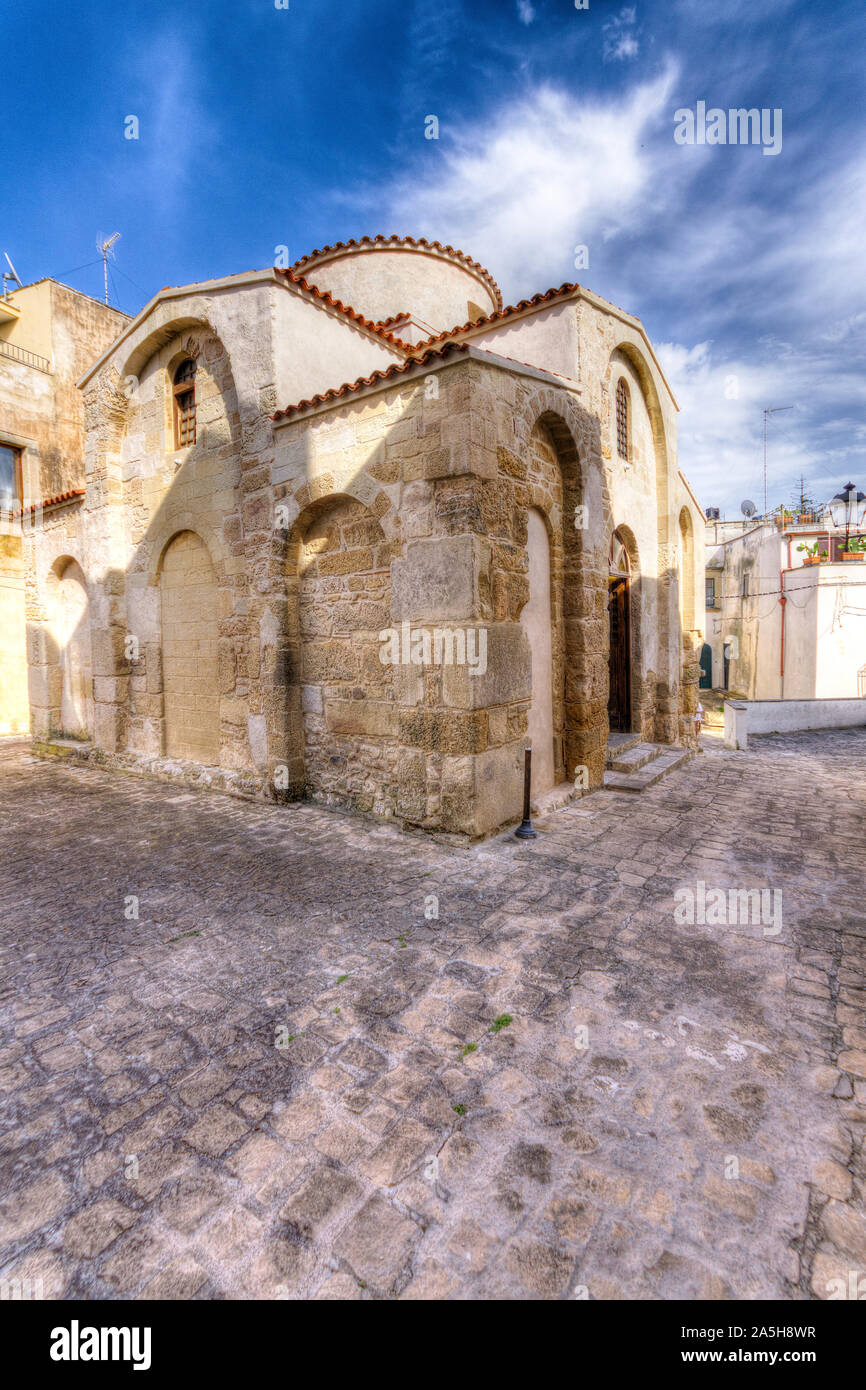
(431, 1283)
(216, 1131)
(282, 1271)
(40, 1272)
(235, 1237)
(300, 1118)
(675, 1276)
(543, 1270)
(133, 1259)
(342, 1141)
(203, 1085)
(125, 1114)
(190, 1200)
(528, 1168)
(377, 1244)
(339, 1288)
(182, 1279)
(853, 1061)
(830, 1275)
(733, 1196)
(89, 1232)
(847, 1229)
(256, 1157)
(833, 1179)
(405, 1146)
(32, 1205)
(322, 1196)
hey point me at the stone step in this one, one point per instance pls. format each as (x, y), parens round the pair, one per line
(552, 800)
(633, 758)
(620, 743)
(650, 773)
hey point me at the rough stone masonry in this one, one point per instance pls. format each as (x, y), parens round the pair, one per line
(367, 440)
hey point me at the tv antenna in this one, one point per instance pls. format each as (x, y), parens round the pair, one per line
(105, 250)
(10, 274)
(768, 411)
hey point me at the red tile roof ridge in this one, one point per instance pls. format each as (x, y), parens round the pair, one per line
(394, 318)
(544, 297)
(420, 242)
(67, 496)
(386, 374)
(327, 298)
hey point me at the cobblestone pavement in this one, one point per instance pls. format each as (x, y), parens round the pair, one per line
(674, 1110)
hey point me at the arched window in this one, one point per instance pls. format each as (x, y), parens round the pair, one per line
(619, 558)
(622, 420)
(184, 404)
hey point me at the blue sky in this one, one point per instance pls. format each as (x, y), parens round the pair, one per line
(262, 127)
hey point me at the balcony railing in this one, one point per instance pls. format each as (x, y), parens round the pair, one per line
(805, 519)
(29, 359)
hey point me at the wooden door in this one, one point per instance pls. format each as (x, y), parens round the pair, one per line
(619, 698)
(706, 667)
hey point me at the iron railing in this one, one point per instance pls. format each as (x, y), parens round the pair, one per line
(29, 359)
(805, 519)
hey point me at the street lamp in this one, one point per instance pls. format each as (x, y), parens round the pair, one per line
(848, 509)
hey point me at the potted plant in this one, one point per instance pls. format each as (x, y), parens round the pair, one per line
(812, 556)
(855, 549)
(804, 507)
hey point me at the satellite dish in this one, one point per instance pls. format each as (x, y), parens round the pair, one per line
(14, 276)
(748, 508)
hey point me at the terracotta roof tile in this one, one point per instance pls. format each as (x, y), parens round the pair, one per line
(55, 501)
(432, 354)
(380, 328)
(546, 297)
(420, 242)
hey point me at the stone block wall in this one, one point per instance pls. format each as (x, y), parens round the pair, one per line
(14, 707)
(453, 501)
(243, 592)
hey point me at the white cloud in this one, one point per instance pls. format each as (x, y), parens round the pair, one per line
(543, 174)
(620, 37)
(525, 11)
(722, 397)
(744, 284)
(173, 114)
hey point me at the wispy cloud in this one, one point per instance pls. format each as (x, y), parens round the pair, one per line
(541, 175)
(525, 11)
(762, 285)
(178, 126)
(620, 37)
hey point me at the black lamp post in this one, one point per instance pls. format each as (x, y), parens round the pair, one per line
(847, 509)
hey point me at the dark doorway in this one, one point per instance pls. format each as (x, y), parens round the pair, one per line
(706, 667)
(619, 697)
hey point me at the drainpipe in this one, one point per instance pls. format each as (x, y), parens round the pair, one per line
(783, 600)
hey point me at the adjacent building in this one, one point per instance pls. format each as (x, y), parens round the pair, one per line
(49, 334)
(783, 624)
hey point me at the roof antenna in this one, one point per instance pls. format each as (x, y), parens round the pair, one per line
(10, 274)
(104, 249)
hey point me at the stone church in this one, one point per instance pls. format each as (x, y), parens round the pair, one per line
(357, 531)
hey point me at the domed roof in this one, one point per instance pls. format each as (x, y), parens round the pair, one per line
(386, 278)
(404, 243)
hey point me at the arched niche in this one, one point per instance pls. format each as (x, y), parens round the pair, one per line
(190, 650)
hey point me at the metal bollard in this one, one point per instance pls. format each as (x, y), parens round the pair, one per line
(525, 831)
